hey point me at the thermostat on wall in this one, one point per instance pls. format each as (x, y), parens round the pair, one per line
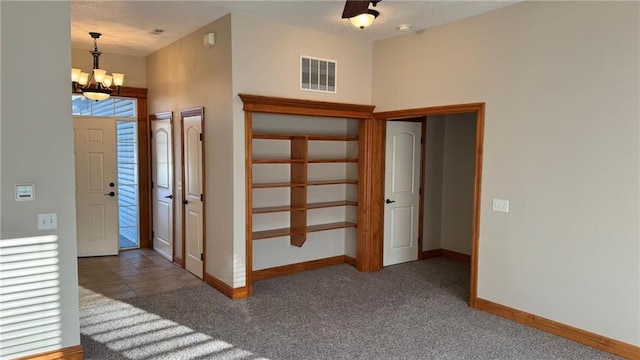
(25, 192)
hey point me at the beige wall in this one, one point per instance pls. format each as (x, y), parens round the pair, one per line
(560, 82)
(37, 147)
(133, 67)
(185, 75)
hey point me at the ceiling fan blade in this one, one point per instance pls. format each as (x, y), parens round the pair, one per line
(354, 7)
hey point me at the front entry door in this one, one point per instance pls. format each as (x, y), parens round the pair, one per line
(193, 190)
(162, 180)
(96, 186)
(402, 192)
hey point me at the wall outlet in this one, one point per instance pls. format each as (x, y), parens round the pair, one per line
(47, 221)
(501, 205)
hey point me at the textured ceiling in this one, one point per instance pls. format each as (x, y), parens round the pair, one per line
(127, 25)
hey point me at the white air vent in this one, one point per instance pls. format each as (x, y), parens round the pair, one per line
(318, 74)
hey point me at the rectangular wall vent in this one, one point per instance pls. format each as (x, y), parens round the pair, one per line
(318, 74)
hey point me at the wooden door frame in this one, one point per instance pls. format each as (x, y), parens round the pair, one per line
(166, 115)
(381, 118)
(183, 114)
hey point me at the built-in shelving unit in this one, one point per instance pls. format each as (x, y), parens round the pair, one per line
(298, 161)
(304, 194)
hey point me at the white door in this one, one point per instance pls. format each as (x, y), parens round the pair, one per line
(96, 186)
(162, 192)
(402, 192)
(193, 193)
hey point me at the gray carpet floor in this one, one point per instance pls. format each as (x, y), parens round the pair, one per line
(416, 310)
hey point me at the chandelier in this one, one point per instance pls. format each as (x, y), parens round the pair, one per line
(97, 85)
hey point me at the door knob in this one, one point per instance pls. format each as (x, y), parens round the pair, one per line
(112, 194)
(390, 201)
(170, 196)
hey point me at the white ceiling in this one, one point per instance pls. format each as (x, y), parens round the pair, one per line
(127, 25)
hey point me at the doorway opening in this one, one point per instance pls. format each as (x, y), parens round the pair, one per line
(467, 138)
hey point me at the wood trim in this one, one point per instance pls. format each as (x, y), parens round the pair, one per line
(350, 260)
(178, 261)
(378, 172)
(370, 195)
(224, 288)
(268, 104)
(477, 189)
(297, 267)
(248, 171)
(429, 254)
(429, 111)
(69, 353)
(566, 331)
(454, 255)
(167, 115)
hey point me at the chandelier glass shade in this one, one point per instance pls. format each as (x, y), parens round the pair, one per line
(97, 84)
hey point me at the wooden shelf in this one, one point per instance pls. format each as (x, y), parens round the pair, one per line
(332, 182)
(278, 161)
(331, 204)
(333, 138)
(305, 136)
(320, 205)
(319, 161)
(275, 185)
(273, 233)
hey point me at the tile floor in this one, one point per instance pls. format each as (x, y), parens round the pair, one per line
(132, 273)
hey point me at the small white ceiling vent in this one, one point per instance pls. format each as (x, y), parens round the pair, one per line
(319, 75)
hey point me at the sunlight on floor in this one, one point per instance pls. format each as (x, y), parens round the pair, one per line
(137, 334)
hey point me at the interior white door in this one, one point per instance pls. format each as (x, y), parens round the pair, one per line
(402, 192)
(96, 186)
(162, 192)
(193, 194)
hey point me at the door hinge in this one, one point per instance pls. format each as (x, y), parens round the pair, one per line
(201, 257)
(200, 136)
(202, 197)
(153, 234)
(420, 191)
(421, 139)
(419, 239)
(152, 185)
(151, 133)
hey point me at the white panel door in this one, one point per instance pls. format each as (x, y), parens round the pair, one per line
(96, 186)
(193, 192)
(162, 192)
(402, 192)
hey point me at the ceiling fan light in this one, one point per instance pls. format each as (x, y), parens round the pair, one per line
(365, 19)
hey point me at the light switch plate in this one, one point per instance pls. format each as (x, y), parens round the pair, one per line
(47, 221)
(501, 205)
